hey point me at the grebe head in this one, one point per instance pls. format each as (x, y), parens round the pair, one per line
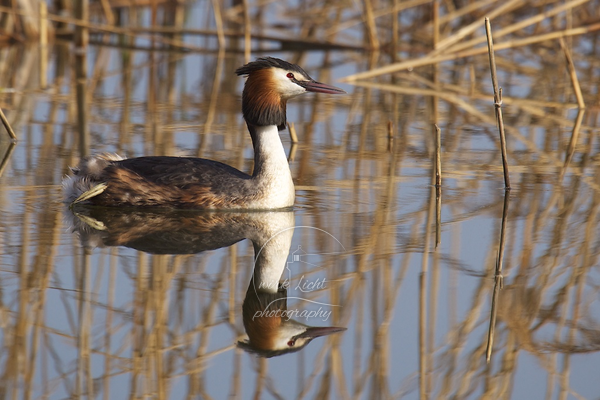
(271, 82)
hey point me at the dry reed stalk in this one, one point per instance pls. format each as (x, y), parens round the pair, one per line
(531, 106)
(214, 97)
(544, 155)
(9, 128)
(497, 102)
(292, 131)
(438, 185)
(108, 12)
(438, 216)
(461, 12)
(43, 44)
(219, 23)
(126, 79)
(388, 69)
(81, 12)
(395, 36)
(390, 131)
(397, 8)
(438, 156)
(100, 27)
(371, 25)
(247, 32)
(98, 70)
(151, 131)
(505, 8)
(572, 143)
(436, 23)
(498, 279)
(152, 120)
(284, 42)
(516, 26)
(572, 73)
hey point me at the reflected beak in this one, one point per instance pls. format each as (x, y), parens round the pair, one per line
(318, 87)
(318, 331)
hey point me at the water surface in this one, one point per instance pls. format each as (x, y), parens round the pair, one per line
(94, 311)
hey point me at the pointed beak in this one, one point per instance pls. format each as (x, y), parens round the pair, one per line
(318, 87)
(318, 331)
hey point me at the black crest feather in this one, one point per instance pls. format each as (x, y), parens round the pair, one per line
(269, 62)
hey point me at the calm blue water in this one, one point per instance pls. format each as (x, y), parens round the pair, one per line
(87, 310)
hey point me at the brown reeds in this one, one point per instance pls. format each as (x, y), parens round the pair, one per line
(163, 323)
(43, 43)
(438, 185)
(438, 156)
(81, 42)
(407, 65)
(8, 127)
(497, 102)
(572, 73)
(572, 143)
(292, 131)
(390, 130)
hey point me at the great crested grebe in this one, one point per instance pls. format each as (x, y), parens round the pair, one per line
(183, 182)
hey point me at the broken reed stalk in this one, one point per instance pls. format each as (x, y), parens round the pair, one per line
(438, 216)
(572, 73)
(390, 129)
(292, 131)
(294, 139)
(438, 185)
(9, 128)
(498, 280)
(497, 102)
(438, 156)
(572, 143)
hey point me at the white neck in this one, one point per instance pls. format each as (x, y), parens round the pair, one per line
(271, 174)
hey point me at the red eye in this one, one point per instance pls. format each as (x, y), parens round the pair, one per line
(290, 75)
(291, 342)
